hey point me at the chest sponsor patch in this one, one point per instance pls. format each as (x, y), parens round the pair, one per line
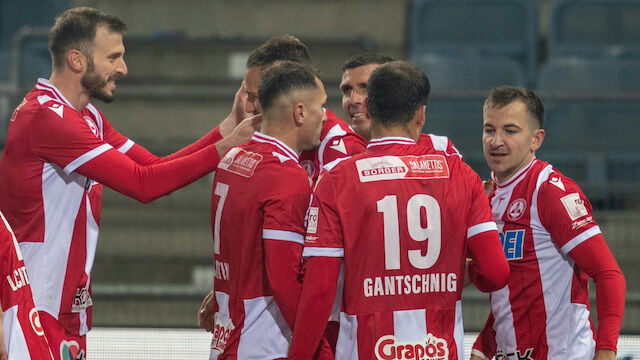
(574, 206)
(402, 167)
(431, 348)
(241, 162)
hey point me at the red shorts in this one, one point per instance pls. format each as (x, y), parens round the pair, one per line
(64, 346)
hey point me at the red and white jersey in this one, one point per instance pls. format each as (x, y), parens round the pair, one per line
(439, 143)
(55, 211)
(260, 191)
(337, 140)
(541, 216)
(23, 334)
(400, 215)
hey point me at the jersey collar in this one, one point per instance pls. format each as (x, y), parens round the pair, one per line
(515, 177)
(44, 84)
(391, 140)
(262, 138)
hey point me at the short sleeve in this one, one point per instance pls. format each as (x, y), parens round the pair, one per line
(67, 140)
(285, 205)
(565, 212)
(324, 231)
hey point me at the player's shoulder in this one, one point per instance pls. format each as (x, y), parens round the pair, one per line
(440, 143)
(554, 183)
(335, 126)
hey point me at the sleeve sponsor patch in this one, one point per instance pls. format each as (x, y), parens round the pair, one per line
(402, 167)
(241, 162)
(312, 227)
(574, 206)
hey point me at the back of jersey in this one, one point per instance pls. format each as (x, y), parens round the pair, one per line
(404, 213)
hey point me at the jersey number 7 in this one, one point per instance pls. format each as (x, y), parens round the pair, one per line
(388, 206)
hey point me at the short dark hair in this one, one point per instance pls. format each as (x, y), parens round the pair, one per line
(283, 77)
(396, 91)
(365, 59)
(502, 96)
(279, 48)
(76, 29)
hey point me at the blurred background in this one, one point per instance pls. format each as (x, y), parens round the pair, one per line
(186, 60)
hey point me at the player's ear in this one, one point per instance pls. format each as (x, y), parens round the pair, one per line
(76, 61)
(365, 108)
(538, 138)
(420, 116)
(299, 114)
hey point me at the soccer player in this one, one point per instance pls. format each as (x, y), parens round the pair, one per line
(21, 334)
(260, 196)
(400, 218)
(553, 245)
(337, 139)
(355, 74)
(60, 149)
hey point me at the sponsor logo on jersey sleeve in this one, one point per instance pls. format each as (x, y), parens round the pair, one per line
(431, 348)
(241, 162)
(312, 227)
(574, 206)
(81, 300)
(402, 167)
(338, 145)
(555, 180)
(57, 108)
(516, 209)
(223, 326)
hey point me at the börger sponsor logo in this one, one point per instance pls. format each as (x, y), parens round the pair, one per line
(384, 170)
(402, 167)
(432, 348)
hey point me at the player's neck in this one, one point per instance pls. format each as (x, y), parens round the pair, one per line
(285, 135)
(71, 88)
(380, 131)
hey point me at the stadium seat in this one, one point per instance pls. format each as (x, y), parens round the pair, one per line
(595, 28)
(453, 73)
(590, 76)
(494, 29)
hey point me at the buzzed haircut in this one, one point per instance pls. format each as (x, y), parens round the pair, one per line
(365, 59)
(283, 77)
(76, 29)
(279, 48)
(396, 91)
(504, 95)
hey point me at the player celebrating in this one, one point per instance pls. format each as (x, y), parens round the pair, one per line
(60, 149)
(260, 195)
(19, 320)
(553, 245)
(400, 217)
(355, 74)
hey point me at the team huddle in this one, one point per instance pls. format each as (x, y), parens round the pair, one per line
(331, 239)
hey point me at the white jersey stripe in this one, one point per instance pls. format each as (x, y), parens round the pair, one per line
(390, 140)
(44, 84)
(501, 308)
(262, 315)
(458, 331)
(283, 235)
(410, 325)
(347, 344)
(86, 157)
(126, 146)
(318, 251)
(480, 228)
(14, 340)
(260, 137)
(566, 249)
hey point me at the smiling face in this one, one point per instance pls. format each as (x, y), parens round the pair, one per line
(510, 138)
(354, 92)
(105, 65)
